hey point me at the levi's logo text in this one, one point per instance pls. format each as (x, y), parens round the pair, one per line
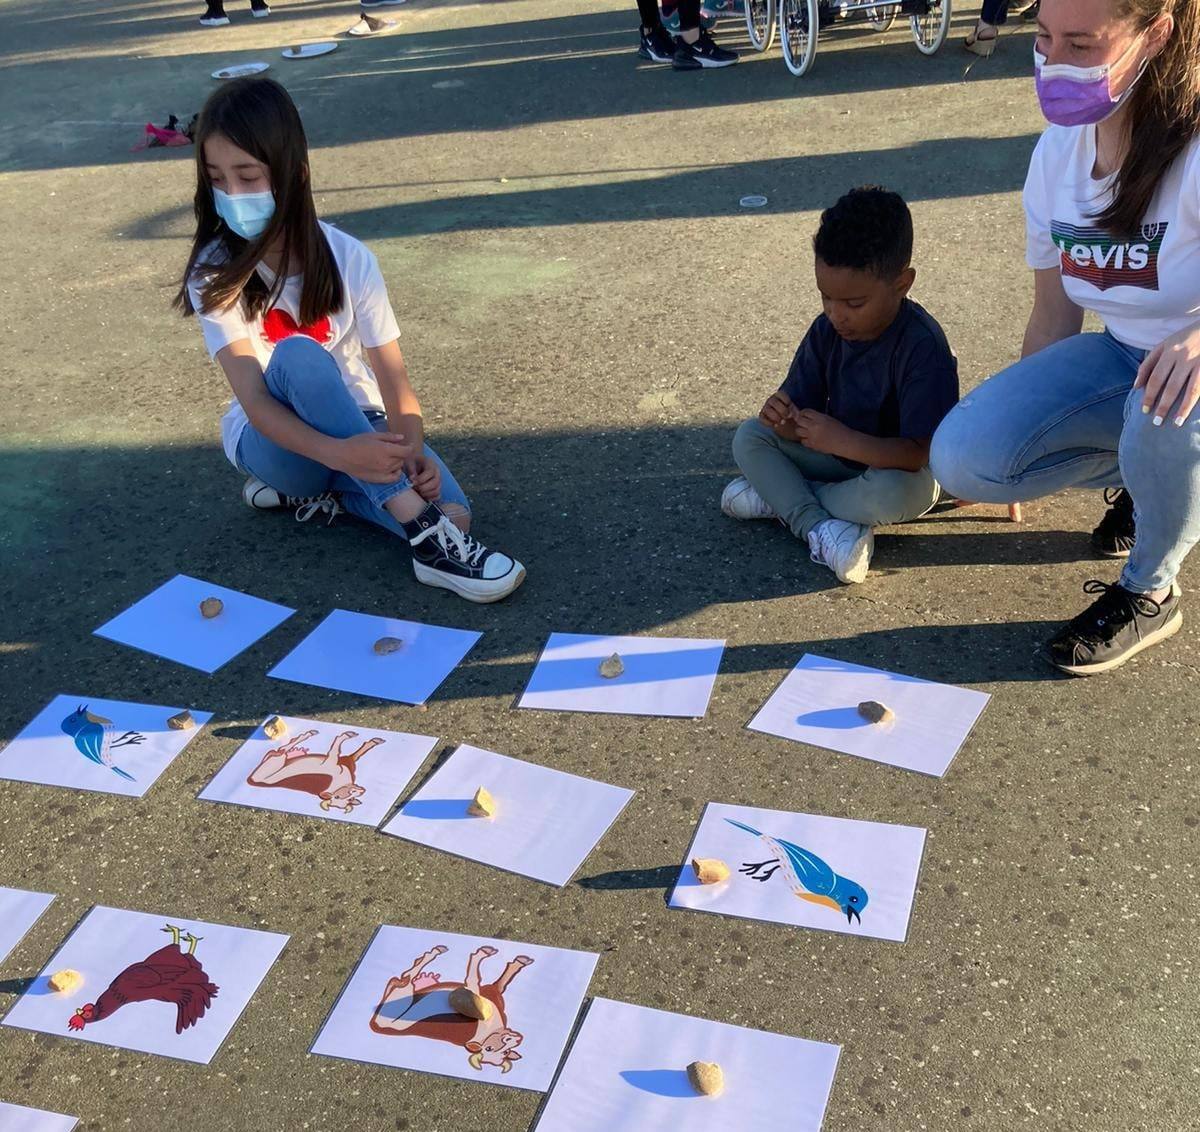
(1093, 255)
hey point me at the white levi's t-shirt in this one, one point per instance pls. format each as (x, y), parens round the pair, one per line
(1144, 289)
(365, 320)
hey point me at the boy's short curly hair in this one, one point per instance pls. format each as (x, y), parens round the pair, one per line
(868, 229)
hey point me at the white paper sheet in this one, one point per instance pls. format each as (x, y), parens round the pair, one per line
(339, 653)
(663, 675)
(87, 743)
(627, 1070)
(322, 770)
(19, 911)
(546, 821)
(836, 874)
(18, 1118)
(818, 702)
(167, 622)
(108, 942)
(410, 1025)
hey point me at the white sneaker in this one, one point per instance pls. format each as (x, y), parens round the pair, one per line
(262, 497)
(846, 548)
(739, 500)
(445, 556)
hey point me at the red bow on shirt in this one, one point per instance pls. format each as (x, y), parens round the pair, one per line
(278, 325)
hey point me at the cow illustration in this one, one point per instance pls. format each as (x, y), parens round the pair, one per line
(328, 777)
(417, 1003)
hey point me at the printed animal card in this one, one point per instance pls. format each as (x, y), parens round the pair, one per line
(376, 656)
(194, 622)
(856, 877)
(543, 822)
(625, 675)
(488, 1010)
(18, 1118)
(825, 702)
(19, 911)
(157, 984)
(628, 1069)
(321, 770)
(86, 743)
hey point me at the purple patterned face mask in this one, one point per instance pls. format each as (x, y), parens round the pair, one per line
(1079, 96)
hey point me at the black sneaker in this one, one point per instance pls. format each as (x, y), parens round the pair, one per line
(215, 16)
(1118, 625)
(259, 9)
(445, 556)
(658, 46)
(1115, 534)
(703, 53)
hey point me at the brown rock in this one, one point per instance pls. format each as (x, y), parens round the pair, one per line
(483, 805)
(710, 870)
(875, 712)
(385, 646)
(470, 1005)
(181, 722)
(274, 728)
(706, 1077)
(65, 981)
(211, 606)
(611, 668)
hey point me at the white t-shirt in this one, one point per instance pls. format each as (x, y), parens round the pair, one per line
(1144, 289)
(365, 320)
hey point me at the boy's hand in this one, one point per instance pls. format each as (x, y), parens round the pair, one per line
(777, 414)
(819, 431)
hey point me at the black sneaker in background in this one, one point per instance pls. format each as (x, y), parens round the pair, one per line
(1115, 534)
(259, 9)
(1117, 626)
(658, 46)
(702, 54)
(215, 17)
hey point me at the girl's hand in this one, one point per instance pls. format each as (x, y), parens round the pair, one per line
(373, 457)
(426, 477)
(1170, 376)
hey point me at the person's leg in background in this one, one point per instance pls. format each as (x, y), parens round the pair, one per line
(695, 49)
(992, 16)
(657, 44)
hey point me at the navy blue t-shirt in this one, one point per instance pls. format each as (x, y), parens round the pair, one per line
(901, 384)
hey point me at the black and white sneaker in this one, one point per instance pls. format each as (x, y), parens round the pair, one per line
(658, 46)
(1115, 534)
(445, 556)
(702, 54)
(215, 16)
(259, 9)
(1118, 625)
(262, 497)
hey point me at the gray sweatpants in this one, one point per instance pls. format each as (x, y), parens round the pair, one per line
(806, 487)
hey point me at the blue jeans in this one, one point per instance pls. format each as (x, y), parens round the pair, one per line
(304, 377)
(1068, 416)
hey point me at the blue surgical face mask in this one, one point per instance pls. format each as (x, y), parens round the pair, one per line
(247, 214)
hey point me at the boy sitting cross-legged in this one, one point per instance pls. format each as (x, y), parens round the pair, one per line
(843, 445)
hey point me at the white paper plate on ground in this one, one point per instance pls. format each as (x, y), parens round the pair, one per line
(307, 50)
(240, 70)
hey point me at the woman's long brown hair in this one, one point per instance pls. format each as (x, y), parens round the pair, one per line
(1163, 112)
(258, 115)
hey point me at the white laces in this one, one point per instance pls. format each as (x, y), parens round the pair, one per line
(307, 508)
(455, 542)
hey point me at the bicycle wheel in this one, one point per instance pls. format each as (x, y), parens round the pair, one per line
(883, 17)
(798, 33)
(929, 30)
(760, 23)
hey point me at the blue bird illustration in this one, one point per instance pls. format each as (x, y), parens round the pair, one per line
(96, 740)
(810, 877)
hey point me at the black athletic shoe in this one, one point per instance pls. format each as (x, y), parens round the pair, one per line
(215, 16)
(445, 556)
(658, 46)
(1115, 534)
(1118, 625)
(703, 53)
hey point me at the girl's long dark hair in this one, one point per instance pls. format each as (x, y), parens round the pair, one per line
(258, 115)
(1163, 114)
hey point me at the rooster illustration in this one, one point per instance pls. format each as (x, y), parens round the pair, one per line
(167, 975)
(96, 740)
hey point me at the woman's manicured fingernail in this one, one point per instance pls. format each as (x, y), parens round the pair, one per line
(1180, 422)
(1158, 420)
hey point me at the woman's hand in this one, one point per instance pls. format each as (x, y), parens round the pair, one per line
(1170, 376)
(426, 477)
(373, 457)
